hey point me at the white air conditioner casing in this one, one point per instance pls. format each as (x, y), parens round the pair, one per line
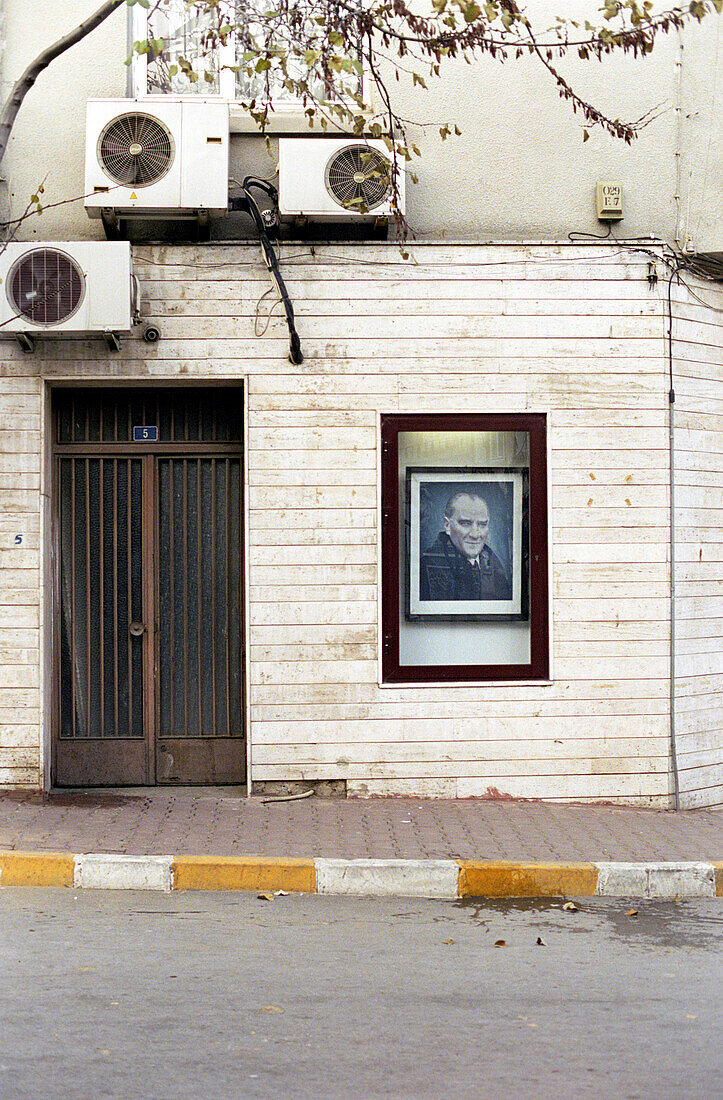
(73, 287)
(188, 174)
(303, 191)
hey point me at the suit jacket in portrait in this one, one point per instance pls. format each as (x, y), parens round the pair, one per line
(446, 574)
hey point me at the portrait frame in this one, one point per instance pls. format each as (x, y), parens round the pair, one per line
(506, 492)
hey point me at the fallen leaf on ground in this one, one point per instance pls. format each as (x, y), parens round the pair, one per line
(631, 913)
(541, 942)
(500, 943)
(271, 1008)
(447, 941)
(265, 897)
(689, 1017)
(570, 907)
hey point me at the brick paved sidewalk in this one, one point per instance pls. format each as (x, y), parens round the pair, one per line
(224, 823)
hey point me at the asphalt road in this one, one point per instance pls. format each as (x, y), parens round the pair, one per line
(194, 995)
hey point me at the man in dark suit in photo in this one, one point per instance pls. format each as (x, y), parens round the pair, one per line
(459, 565)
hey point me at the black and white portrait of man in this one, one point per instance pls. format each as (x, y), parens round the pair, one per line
(464, 542)
(460, 564)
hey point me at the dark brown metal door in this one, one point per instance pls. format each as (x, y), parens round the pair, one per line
(103, 590)
(148, 617)
(198, 701)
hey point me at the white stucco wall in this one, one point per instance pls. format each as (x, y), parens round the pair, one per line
(520, 171)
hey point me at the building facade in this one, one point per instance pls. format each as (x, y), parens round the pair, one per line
(215, 563)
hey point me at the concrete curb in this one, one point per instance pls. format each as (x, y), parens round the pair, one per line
(118, 872)
(245, 873)
(657, 880)
(415, 878)
(526, 880)
(432, 878)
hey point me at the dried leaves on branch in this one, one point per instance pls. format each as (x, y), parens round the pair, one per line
(341, 58)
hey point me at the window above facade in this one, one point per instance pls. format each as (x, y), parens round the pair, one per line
(194, 50)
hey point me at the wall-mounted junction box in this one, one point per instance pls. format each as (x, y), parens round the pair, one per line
(609, 196)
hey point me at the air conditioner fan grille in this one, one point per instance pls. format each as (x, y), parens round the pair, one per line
(359, 178)
(135, 150)
(45, 286)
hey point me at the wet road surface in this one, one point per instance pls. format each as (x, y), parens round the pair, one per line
(195, 995)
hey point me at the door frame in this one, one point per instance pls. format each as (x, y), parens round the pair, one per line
(148, 453)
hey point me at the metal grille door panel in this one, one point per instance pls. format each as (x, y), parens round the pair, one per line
(101, 594)
(199, 612)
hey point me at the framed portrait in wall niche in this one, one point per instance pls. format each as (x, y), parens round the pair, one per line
(463, 543)
(466, 543)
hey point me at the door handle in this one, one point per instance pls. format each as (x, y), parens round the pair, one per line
(136, 629)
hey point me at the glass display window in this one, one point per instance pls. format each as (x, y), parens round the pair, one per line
(464, 548)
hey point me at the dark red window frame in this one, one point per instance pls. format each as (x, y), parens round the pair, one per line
(536, 425)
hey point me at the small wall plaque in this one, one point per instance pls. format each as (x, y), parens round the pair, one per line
(144, 433)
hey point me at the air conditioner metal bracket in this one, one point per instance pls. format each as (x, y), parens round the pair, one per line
(26, 341)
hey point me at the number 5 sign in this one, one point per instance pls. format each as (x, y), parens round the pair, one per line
(143, 433)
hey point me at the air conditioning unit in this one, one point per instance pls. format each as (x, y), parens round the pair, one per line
(77, 288)
(337, 178)
(156, 158)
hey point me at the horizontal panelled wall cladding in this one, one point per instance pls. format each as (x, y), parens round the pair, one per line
(573, 338)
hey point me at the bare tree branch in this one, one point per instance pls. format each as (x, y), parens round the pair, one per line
(311, 51)
(22, 86)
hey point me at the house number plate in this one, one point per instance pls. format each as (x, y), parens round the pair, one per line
(143, 433)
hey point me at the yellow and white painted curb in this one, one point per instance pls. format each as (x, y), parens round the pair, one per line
(423, 878)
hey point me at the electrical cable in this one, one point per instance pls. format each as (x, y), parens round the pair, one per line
(671, 462)
(703, 265)
(248, 203)
(580, 235)
(710, 269)
(357, 261)
(702, 301)
(258, 331)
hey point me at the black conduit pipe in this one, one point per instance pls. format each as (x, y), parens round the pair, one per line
(248, 203)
